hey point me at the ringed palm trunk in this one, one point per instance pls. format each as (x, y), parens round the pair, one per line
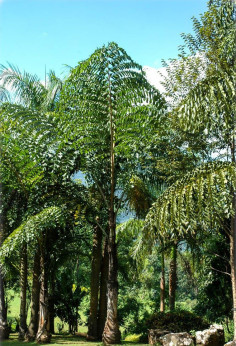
(111, 334)
(43, 334)
(34, 318)
(162, 284)
(173, 277)
(94, 286)
(102, 313)
(23, 292)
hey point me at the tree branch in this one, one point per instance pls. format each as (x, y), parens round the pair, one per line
(101, 228)
(220, 271)
(120, 201)
(101, 192)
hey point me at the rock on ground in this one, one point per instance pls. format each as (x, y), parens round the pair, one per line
(214, 336)
(155, 334)
(177, 339)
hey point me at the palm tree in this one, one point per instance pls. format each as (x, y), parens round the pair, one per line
(206, 105)
(105, 97)
(29, 100)
(27, 89)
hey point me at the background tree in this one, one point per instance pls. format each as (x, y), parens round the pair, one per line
(206, 105)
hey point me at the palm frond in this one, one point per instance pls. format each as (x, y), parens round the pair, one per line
(202, 198)
(4, 95)
(53, 88)
(31, 230)
(26, 88)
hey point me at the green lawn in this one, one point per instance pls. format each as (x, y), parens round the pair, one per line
(60, 340)
(14, 310)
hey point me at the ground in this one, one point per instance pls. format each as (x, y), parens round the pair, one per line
(62, 340)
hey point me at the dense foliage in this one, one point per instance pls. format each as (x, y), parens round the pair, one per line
(176, 322)
(106, 183)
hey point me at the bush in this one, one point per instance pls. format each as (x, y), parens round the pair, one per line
(176, 321)
(132, 315)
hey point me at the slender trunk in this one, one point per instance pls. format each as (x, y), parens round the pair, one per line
(4, 330)
(173, 277)
(76, 319)
(34, 318)
(162, 283)
(51, 305)
(23, 292)
(233, 246)
(43, 334)
(94, 287)
(102, 313)
(233, 270)
(111, 334)
(51, 314)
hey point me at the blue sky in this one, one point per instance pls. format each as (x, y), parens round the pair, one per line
(35, 33)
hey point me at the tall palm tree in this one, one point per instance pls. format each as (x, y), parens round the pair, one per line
(107, 97)
(207, 106)
(29, 100)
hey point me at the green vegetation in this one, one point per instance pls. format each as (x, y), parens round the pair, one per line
(70, 263)
(177, 321)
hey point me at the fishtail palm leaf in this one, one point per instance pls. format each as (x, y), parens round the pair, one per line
(31, 230)
(202, 198)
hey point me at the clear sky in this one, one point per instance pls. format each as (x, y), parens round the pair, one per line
(35, 33)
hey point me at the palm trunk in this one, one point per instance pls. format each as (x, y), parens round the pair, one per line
(23, 286)
(43, 334)
(162, 284)
(102, 313)
(34, 318)
(51, 314)
(4, 330)
(51, 304)
(111, 334)
(233, 266)
(233, 246)
(96, 266)
(173, 277)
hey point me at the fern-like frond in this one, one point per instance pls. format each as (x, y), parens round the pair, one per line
(210, 102)
(31, 230)
(202, 198)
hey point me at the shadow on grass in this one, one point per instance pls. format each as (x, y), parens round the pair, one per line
(62, 339)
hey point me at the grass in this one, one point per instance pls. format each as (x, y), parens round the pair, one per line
(14, 309)
(57, 339)
(61, 340)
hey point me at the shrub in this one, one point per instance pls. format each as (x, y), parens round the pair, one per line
(176, 321)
